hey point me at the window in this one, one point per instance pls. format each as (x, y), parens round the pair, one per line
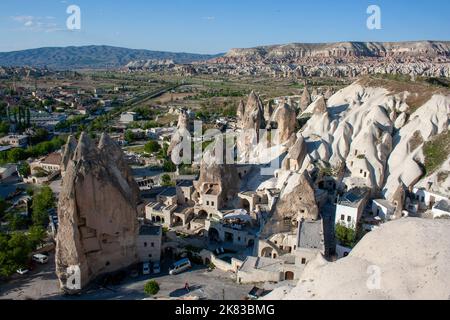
(145, 244)
(212, 203)
(207, 203)
(303, 261)
(150, 255)
(153, 244)
(342, 217)
(349, 219)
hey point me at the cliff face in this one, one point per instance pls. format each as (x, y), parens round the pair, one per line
(341, 50)
(343, 59)
(413, 266)
(297, 201)
(97, 214)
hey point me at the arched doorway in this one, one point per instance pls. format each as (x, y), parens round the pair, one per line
(245, 205)
(229, 237)
(202, 214)
(267, 252)
(289, 275)
(178, 221)
(213, 235)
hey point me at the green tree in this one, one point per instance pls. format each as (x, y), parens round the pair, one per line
(4, 128)
(16, 221)
(15, 250)
(129, 136)
(152, 147)
(169, 166)
(2, 207)
(37, 235)
(42, 202)
(345, 236)
(151, 288)
(166, 180)
(16, 155)
(24, 169)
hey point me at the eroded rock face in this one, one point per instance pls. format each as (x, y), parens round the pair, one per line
(420, 246)
(285, 119)
(297, 201)
(254, 113)
(183, 129)
(240, 113)
(296, 156)
(306, 100)
(114, 154)
(67, 153)
(225, 178)
(97, 215)
(268, 111)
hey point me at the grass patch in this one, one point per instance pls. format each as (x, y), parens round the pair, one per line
(421, 91)
(436, 152)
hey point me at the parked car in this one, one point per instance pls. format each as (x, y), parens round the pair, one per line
(22, 271)
(156, 268)
(40, 258)
(146, 268)
(180, 266)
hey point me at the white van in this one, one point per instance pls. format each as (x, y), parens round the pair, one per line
(180, 266)
(146, 268)
(40, 258)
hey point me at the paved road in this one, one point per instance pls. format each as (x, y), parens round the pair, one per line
(214, 285)
(40, 283)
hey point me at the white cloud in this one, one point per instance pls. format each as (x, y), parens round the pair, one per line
(211, 18)
(37, 24)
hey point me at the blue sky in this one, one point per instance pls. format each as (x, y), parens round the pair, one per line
(212, 26)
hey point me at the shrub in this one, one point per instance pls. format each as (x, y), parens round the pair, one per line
(436, 152)
(345, 236)
(152, 147)
(151, 288)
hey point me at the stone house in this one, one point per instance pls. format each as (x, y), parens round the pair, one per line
(149, 243)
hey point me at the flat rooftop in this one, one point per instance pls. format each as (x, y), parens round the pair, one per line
(353, 197)
(148, 230)
(260, 263)
(443, 206)
(169, 192)
(185, 183)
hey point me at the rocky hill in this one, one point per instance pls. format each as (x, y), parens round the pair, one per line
(97, 213)
(412, 265)
(95, 57)
(346, 50)
(379, 134)
(343, 59)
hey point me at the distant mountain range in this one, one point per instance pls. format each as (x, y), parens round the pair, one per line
(99, 57)
(87, 57)
(341, 50)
